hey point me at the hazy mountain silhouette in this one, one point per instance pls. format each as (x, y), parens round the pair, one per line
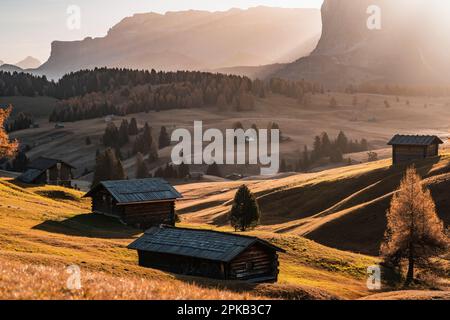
(191, 40)
(412, 46)
(10, 68)
(28, 63)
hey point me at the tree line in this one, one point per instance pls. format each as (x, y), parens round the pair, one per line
(22, 121)
(299, 90)
(325, 147)
(203, 90)
(400, 90)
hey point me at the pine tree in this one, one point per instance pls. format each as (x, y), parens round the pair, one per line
(153, 153)
(123, 133)
(183, 170)
(111, 136)
(159, 173)
(414, 231)
(133, 128)
(7, 148)
(283, 166)
(20, 162)
(147, 139)
(214, 170)
(342, 142)
(164, 138)
(306, 161)
(317, 149)
(169, 171)
(325, 145)
(141, 167)
(336, 155)
(108, 167)
(245, 212)
(275, 126)
(364, 145)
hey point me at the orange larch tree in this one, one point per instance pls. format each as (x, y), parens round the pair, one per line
(7, 148)
(414, 231)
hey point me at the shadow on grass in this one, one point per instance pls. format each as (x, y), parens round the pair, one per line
(272, 290)
(89, 225)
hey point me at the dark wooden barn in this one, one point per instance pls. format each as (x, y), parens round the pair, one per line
(409, 148)
(208, 253)
(141, 203)
(48, 171)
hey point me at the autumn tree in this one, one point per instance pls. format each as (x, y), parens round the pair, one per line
(245, 211)
(414, 231)
(7, 148)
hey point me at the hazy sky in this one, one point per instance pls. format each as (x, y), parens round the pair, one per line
(27, 27)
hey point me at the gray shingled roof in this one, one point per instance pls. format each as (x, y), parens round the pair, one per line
(204, 244)
(138, 190)
(30, 175)
(414, 140)
(43, 163)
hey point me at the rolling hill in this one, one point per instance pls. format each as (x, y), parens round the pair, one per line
(343, 208)
(44, 229)
(300, 124)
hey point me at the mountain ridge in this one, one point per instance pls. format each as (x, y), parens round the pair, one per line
(408, 49)
(192, 40)
(28, 63)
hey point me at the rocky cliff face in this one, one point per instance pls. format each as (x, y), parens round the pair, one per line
(410, 47)
(193, 40)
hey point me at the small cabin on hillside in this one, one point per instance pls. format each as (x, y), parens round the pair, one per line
(48, 171)
(141, 202)
(208, 253)
(409, 148)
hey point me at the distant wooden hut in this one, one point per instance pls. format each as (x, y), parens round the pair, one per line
(208, 253)
(48, 171)
(142, 202)
(408, 148)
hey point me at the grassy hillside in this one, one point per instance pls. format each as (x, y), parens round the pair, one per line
(342, 208)
(45, 229)
(38, 107)
(300, 124)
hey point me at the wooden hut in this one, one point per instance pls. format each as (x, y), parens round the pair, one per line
(208, 253)
(48, 171)
(141, 203)
(409, 148)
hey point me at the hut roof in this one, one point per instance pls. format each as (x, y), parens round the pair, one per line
(138, 190)
(43, 163)
(414, 140)
(204, 244)
(29, 175)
